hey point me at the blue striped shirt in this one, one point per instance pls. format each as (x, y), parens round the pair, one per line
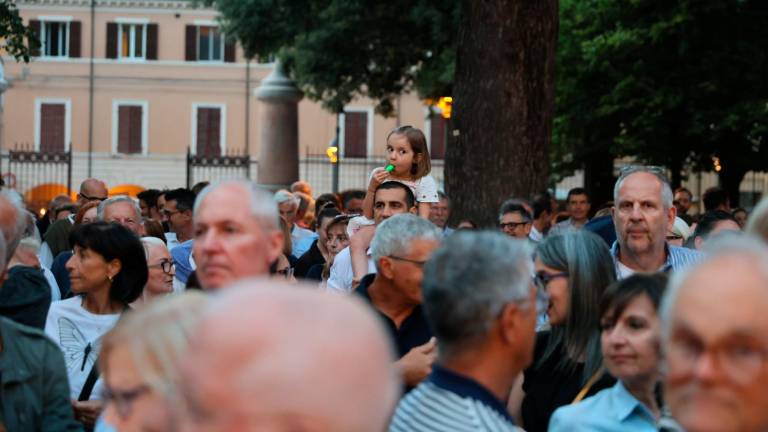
(447, 401)
(677, 258)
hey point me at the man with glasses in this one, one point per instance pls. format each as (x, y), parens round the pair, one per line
(177, 211)
(400, 247)
(56, 239)
(484, 317)
(514, 219)
(643, 214)
(715, 340)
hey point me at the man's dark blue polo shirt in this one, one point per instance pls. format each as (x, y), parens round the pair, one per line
(413, 331)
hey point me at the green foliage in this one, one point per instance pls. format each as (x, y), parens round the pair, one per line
(340, 49)
(16, 39)
(672, 82)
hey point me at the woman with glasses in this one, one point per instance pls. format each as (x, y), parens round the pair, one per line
(161, 269)
(573, 270)
(107, 272)
(630, 341)
(139, 366)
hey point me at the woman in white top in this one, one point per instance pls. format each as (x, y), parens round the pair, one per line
(107, 272)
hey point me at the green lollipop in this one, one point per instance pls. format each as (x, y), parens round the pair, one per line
(390, 168)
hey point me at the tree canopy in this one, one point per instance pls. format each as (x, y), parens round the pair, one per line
(16, 38)
(673, 83)
(339, 49)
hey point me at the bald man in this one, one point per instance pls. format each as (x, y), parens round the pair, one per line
(715, 336)
(326, 368)
(57, 236)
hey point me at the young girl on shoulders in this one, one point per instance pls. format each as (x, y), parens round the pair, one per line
(408, 163)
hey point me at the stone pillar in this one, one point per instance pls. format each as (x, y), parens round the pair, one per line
(279, 130)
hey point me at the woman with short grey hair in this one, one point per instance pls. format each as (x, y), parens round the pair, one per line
(574, 270)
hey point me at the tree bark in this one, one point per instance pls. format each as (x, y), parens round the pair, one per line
(503, 105)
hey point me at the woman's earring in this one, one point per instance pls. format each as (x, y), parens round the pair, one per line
(110, 278)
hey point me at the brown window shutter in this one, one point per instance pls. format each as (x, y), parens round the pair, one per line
(35, 25)
(202, 132)
(112, 40)
(229, 52)
(136, 126)
(74, 39)
(123, 129)
(214, 125)
(190, 47)
(437, 125)
(52, 118)
(152, 41)
(356, 134)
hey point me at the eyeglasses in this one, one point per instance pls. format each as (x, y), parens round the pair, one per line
(165, 265)
(513, 225)
(542, 279)
(123, 400)
(169, 213)
(287, 272)
(674, 237)
(740, 361)
(90, 198)
(414, 262)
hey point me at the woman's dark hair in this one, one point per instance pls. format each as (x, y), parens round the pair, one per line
(326, 213)
(114, 241)
(325, 200)
(418, 143)
(154, 228)
(83, 210)
(621, 293)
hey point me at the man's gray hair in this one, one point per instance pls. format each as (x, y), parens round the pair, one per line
(13, 234)
(745, 247)
(468, 281)
(114, 200)
(283, 196)
(658, 172)
(395, 235)
(262, 207)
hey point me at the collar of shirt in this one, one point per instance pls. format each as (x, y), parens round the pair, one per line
(676, 257)
(625, 404)
(535, 235)
(467, 388)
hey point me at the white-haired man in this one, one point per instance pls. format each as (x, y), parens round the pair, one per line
(236, 234)
(400, 247)
(484, 317)
(643, 213)
(268, 356)
(715, 339)
(288, 205)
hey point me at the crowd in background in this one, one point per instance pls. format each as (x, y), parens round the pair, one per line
(229, 307)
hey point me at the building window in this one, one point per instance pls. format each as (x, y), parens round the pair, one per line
(355, 134)
(129, 124)
(210, 44)
(206, 42)
(52, 124)
(209, 130)
(437, 136)
(132, 39)
(55, 38)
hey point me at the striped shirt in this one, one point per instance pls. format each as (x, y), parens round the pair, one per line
(677, 258)
(447, 401)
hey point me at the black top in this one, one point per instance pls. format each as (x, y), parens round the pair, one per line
(549, 387)
(305, 262)
(414, 330)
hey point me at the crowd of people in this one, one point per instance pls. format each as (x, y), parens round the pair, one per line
(228, 307)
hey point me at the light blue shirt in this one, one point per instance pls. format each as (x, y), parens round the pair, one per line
(611, 410)
(677, 259)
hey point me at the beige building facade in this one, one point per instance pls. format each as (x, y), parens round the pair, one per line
(162, 81)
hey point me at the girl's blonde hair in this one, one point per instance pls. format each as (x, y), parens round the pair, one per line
(418, 143)
(156, 336)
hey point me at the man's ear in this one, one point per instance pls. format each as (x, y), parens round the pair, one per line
(275, 245)
(384, 268)
(509, 321)
(413, 210)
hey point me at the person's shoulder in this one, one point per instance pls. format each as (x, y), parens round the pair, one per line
(583, 414)
(31, 342)
(72, 304)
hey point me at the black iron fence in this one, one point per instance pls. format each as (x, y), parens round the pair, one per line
(235, 165)
(38, 175)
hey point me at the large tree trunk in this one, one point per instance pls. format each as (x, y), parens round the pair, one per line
(503, 105)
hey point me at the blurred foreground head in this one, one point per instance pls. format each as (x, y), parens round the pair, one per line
(715, 337)
(275, 357)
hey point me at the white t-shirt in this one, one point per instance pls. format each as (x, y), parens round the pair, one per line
(340, 279)
(424, 189)
(78, 334)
